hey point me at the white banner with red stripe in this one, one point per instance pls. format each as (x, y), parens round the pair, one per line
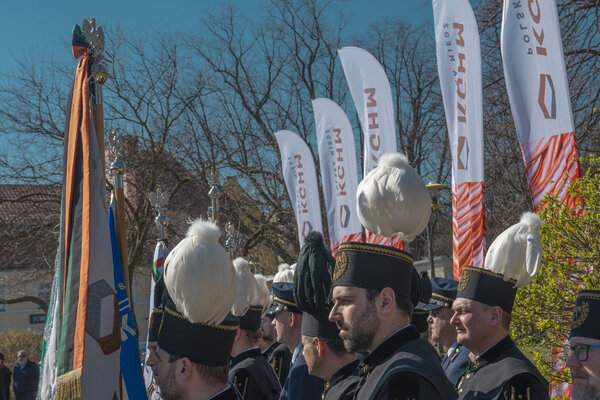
(300, 179)
(339, 174)
(372, 96)
(536, 81)
(459, 69)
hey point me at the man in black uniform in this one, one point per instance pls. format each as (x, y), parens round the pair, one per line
(498, 369)
(583, 351)
(372, 309)
(440, 312)
(249, 371)
(200, 289)
(328, 359)
(324, 351)
(277, 354)
(288, 322)
(484, 301)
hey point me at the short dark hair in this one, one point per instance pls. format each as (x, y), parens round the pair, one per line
(336, 345)
(1, 356)
(253, 336)
(212, 375)
(402, 302)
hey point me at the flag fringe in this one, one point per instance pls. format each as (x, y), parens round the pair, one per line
(68, 386)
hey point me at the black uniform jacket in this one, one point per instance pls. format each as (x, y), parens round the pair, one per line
(281, 359)
(343, 384)
(299, 384)
(403, 367)
(456, 362)
(253, 376)
(229, 393)
(269, 350)
(503, 372)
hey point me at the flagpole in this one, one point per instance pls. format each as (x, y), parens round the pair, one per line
(213, 177)
(99, 76)
(117, 169)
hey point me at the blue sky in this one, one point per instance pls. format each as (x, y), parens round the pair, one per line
(32, 27)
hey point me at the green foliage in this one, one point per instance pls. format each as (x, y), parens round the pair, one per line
(13, 341)
(571, 262)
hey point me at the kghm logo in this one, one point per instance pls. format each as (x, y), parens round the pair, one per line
(547, 96)
(301, 185)
(463, 153)
(372, 115)
(461, 85)
(546, 91)
(340, 174)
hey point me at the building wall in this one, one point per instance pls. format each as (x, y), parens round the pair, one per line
(18, 283)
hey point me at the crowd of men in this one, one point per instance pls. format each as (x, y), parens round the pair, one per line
(360, 326)
(364, 345)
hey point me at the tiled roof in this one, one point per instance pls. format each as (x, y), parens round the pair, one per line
(28, 204)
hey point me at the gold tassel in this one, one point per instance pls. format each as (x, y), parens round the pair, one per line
(68, 386)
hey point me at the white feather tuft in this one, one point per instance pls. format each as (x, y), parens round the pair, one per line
(285, 273)
(516, 252)
(283, 267)
(263, 290)
(199, 275)
(393, 200)
(532, 220)
(247, 288)
(393, 160)
(204, 230)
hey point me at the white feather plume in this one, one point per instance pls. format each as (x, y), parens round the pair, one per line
(199, 275)
(263, 290)
(247, 288)
(516, 252)
(393, 200)
(285, 273)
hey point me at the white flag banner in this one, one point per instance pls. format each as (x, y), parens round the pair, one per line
(459, 69)
(300, 179)
(339, 174)
(536, 81)
(372, 97)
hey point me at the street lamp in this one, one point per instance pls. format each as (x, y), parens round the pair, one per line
(434, 191)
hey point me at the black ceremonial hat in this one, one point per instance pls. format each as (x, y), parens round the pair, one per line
(283, 298)
(487, 287)
(154, 325)
(371, 266)
(419, 320)
(443, 293)
(585, 321)
(319, 325)
(182, 338)
(251, 320)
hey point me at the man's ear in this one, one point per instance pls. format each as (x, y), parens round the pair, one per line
(386, 301)
(320, 346)
(238, 334)
(183, 369)
(293, 318)
(496, 316)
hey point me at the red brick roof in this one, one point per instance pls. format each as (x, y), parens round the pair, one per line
(28, 204)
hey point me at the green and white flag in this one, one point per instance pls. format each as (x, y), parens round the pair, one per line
(82, 338)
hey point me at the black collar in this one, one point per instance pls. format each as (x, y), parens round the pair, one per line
(490, 355)
(387, 348)
(341, 374)
(243, 355)
(271, 347)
